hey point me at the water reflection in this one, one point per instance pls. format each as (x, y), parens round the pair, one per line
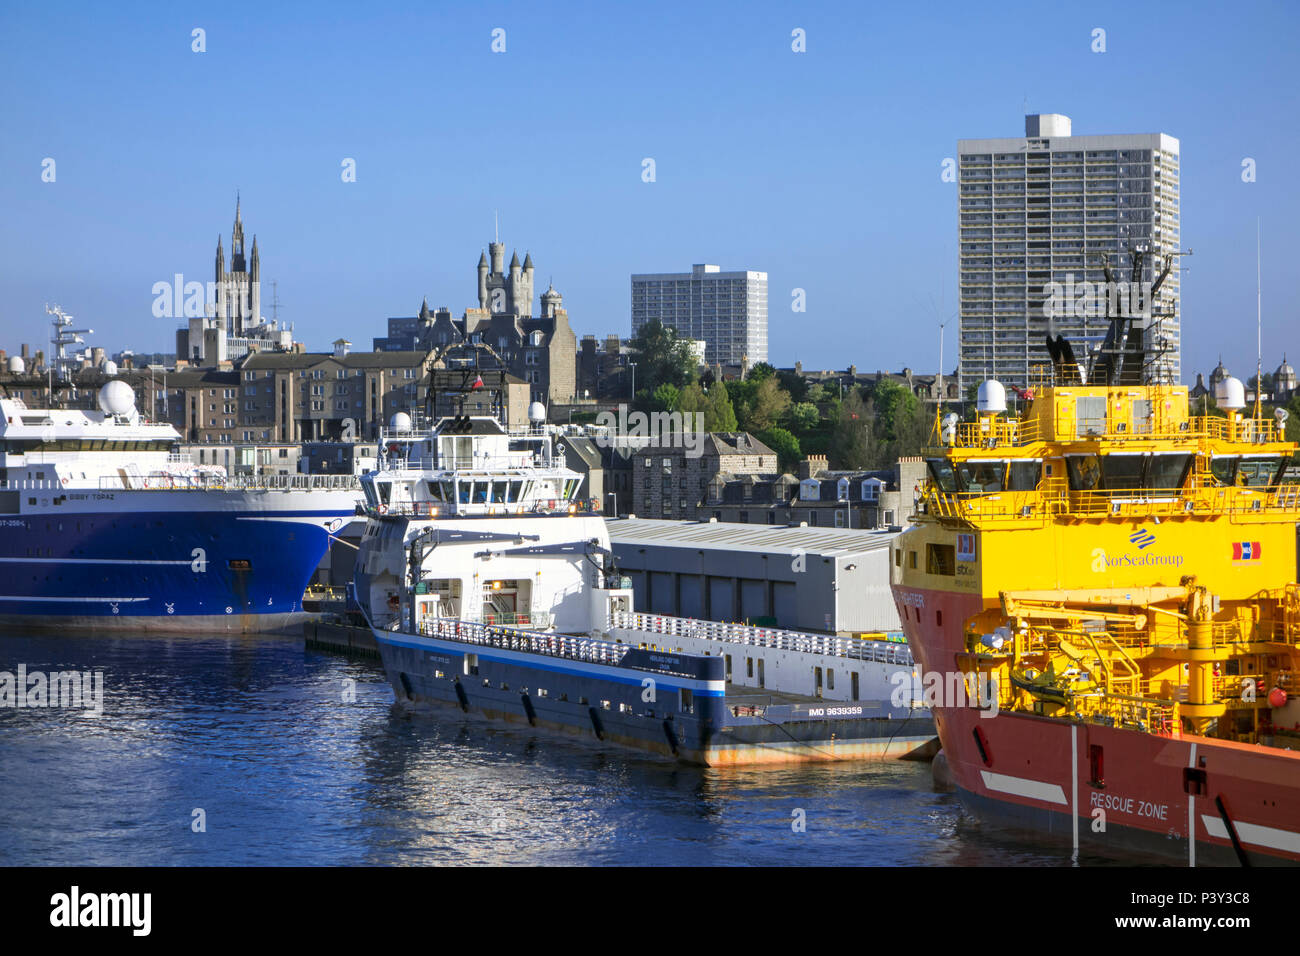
(261, 736)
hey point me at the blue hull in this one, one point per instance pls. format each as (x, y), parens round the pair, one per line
(231, 569)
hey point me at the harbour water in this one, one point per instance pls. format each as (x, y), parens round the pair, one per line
(254, 751)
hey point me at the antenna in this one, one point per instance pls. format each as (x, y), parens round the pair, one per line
(496, 227)
(275, 300)
(1259, 321)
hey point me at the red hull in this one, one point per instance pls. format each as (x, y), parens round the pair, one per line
(1101, 789)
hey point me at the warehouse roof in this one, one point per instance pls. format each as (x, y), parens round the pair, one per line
(734, 536)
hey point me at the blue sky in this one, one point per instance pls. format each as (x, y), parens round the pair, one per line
(821, 168)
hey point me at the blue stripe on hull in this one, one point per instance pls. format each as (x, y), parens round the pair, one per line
(145, 564)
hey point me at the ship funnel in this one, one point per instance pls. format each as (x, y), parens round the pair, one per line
(991, 398)
(1230, 394)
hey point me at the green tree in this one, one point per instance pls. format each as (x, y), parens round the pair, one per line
(666, 397)
(803, 417)
(692, 399)
(741, 393)
(853, 443)
(662, 357)
(1293, 418)
(795, 384)
(770, 404)
(719, 415)
(761, 371)
(784, 444)
(911, 429)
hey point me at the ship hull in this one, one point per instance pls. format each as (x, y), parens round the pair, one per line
(227, 562)
(1106, 790)
(608, 704)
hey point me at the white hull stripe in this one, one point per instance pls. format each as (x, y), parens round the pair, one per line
(1253, 833)
(319, 520)
(88, 561)
(65, 600)
(1023, 787)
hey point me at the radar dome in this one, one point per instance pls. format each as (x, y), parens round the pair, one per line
(110, 368)
(991, 397)
(116, 398)
(537, 412)
(1230, 394)
(16, 365)
(400, 422)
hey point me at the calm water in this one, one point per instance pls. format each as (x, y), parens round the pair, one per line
(257, 734)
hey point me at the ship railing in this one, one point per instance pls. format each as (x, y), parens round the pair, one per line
(1009, 432)
(1114, 503)
(476, 463)
(431, 508)
(548, 643)
(203, 481)
(885, 652)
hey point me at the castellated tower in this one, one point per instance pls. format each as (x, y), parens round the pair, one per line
(502, 292)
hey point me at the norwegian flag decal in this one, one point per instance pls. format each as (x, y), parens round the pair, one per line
(1245, 550)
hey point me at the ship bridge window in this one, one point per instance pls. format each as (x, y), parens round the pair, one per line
(1254, 472)
(385, 489)
(1122, 472)
(1084, 472)
(1224, 468)
(463, 491)
(982, 476)
(942, 473)
(369, 488)
(516, 488)
(498, 491)
(1168, 470)
(1024, 475)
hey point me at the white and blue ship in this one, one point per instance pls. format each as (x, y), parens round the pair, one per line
(489, 586)
(104, 526)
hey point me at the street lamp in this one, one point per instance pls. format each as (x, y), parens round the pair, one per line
(614, 495)
(632, 366)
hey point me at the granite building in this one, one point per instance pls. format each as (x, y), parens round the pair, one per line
(541, 350)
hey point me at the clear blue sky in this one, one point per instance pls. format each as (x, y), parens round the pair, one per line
(821, 168)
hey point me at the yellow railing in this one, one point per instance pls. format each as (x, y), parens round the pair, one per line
(1139, 503)
(1000, 432)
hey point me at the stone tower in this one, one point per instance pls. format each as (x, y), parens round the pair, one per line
(239, 300)
(502, 292)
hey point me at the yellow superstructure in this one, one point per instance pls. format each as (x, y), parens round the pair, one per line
(1123, 560)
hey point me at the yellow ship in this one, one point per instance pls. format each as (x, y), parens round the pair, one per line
(1101, 592)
